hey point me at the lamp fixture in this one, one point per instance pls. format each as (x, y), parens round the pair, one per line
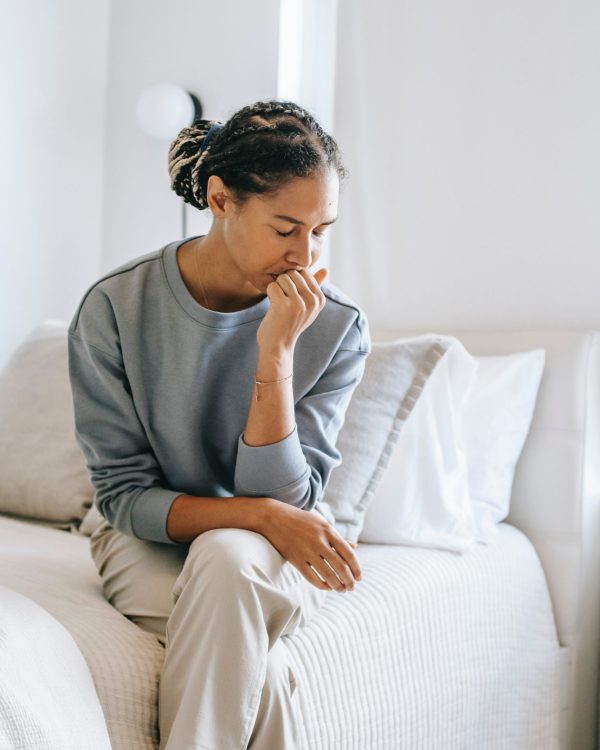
(165, 108)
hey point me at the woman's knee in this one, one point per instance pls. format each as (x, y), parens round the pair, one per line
(233, 549)
(224, 558)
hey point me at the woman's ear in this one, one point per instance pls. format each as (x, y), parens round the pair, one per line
(218, 197)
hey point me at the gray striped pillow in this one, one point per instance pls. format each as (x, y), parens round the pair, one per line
(394, 376)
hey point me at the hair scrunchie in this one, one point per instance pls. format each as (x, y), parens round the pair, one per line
(209, 135)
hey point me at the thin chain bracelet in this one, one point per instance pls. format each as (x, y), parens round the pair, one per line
(267, 382)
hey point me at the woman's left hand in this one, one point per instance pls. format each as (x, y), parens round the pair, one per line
(296, 300)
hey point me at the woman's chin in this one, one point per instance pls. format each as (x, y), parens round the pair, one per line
(267, 279)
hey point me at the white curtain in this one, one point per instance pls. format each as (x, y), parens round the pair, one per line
(470, 131)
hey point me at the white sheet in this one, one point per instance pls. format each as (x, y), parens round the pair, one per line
(47, 696)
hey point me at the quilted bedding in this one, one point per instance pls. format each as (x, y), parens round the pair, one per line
(54, 569)
(47, 696)
(433, 649)
(439, 650)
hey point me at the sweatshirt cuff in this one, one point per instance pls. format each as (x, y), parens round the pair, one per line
(264, 468)
(149, 514)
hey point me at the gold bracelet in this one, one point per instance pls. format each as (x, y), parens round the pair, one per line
(267, 382)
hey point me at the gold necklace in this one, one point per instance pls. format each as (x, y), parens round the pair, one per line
(197, 253)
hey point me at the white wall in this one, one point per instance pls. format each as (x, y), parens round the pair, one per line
(472, 133)
(53, 59)
(225, 52)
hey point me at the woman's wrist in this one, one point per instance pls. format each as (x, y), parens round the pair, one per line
(271, 415)
(274, 363)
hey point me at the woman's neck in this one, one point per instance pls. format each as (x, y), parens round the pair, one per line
(205, 273)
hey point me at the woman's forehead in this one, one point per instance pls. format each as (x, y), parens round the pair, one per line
(306, 194)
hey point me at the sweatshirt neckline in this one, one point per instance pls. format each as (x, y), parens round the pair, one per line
(211, 318)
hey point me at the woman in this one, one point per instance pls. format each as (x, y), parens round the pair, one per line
(210, 379)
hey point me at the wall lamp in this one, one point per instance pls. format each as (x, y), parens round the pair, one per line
(162, 110)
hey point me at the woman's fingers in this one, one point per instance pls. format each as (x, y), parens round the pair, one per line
(314, 577)
(275, 292)
(287, 285)
(339, 567)
(334, 578)
(313, 283)
(306, 285)
(299, 282)
(346, 553)
(341, 571)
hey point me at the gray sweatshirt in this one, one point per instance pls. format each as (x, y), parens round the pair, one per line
(162, 386)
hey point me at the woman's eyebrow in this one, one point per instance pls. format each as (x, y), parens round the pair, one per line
(297, 221)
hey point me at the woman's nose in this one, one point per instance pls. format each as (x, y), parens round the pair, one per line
(302, 255)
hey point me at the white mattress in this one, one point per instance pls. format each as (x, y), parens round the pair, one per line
(433, 649)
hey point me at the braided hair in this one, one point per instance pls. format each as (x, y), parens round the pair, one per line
(256, 151)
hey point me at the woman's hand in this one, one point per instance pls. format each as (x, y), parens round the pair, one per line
(306, 539)
(296, 300)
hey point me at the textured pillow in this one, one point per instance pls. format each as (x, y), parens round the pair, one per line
(423, 499)
(42, 469)
(395, 374)
(495, 425)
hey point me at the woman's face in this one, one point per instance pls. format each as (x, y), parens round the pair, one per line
(269, 235)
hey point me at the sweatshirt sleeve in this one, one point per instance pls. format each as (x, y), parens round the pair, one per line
(296, 469)
(129, 484)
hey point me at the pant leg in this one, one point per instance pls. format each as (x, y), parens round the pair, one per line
(220, 606)
(137, 576)
(235, 597)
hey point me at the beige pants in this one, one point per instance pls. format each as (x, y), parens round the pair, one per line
(219, 605)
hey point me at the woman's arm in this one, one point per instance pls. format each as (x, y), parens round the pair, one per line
(271, 455)
(190, 515)
(308, 541)
(296, 300)
(288, 450)
(271, 415)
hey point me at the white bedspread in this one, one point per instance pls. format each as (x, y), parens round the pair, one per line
(55, 569)
(47, 695)
(436, 651)
(432, 650)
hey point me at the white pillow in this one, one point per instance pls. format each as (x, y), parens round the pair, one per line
(487, 438)
(495, 425)
(423, 498)
(393, 379)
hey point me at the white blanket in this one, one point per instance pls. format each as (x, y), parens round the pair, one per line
(47, 695)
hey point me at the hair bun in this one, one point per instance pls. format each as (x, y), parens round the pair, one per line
(185, 159)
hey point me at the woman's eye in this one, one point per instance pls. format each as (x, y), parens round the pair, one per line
(287, 234)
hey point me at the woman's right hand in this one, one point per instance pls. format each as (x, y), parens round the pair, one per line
(306, 539)
(295, 300)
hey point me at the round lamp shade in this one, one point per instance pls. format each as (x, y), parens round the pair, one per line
(164, 109)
